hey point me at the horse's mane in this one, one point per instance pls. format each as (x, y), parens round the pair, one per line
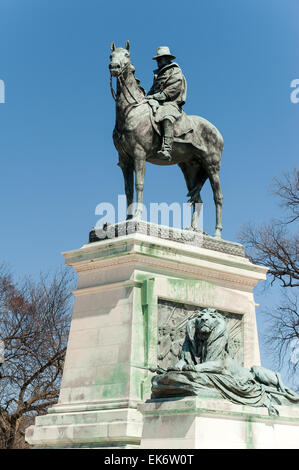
(138, 83)
(137, 79)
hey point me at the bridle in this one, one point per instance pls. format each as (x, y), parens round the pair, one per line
(123, 83)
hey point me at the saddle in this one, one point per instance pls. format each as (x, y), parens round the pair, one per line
(185, 130)
(182, 125)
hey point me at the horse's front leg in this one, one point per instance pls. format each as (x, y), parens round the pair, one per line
(196, 207)
(128, 173)
(139, 164)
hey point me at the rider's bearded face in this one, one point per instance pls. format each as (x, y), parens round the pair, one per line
(164, 60)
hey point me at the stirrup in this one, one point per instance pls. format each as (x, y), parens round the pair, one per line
(164, 155)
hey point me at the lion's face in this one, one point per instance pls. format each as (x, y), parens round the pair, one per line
(206, 321)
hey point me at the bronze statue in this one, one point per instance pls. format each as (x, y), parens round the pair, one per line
(192, 142)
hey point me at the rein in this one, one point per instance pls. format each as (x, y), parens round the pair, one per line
(111, 88)
(123, 83)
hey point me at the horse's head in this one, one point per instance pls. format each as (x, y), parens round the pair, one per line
(119, 59)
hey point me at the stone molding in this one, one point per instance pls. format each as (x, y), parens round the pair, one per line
(186, 236)
(94, 406)
(205, 406)
(105, 287)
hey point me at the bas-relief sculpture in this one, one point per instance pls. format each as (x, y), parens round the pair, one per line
(205, 364)
(172, 321)
(155, 129)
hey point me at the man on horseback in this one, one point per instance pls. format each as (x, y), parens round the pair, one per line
(135, 133)
(166, 97)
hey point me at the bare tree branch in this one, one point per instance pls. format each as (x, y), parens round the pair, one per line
(283, 337)
(34, 319)
(272, 246)
(276, 245)
(288, 192)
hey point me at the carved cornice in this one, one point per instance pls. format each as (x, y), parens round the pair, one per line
(170, 266)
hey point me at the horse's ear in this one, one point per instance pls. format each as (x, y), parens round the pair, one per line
(112, 46)
(128, 45)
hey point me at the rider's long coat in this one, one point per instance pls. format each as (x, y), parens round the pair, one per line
(171, 81)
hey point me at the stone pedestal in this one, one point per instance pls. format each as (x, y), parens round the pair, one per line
(131, 288)
(205, 423)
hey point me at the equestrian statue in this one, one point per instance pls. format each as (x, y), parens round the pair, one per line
(154, 128)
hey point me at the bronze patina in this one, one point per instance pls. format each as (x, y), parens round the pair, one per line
(205, 365)
(155, 129)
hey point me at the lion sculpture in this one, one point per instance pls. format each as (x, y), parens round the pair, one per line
(206, 367)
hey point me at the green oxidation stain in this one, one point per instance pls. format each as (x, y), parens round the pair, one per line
(189, 404)
(114, 390)
(141, 380)
(161, 252)
(143, 277)
(145, 310)
(148, 291)
(147, 304)
(146, 388)
(147, 300)
(118, 374)
(139, 330)
(153, 251)
(249, 437)
(109, 252)
(188, 290)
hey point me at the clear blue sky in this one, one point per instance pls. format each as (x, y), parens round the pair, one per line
(57, 156)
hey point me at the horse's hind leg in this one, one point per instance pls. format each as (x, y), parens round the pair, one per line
(213, 174)
(195, 177)
(195, 197)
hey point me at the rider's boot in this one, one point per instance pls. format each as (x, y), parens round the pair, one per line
(165, 152)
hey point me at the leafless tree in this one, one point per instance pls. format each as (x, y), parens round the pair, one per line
(283, 339)
(275, 244)
(34, 325)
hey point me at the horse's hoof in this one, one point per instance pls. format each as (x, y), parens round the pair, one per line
(217, 234)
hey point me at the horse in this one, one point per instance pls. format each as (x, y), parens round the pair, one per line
(137, 142)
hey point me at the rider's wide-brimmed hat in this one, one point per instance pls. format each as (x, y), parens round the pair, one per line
(163, 51)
